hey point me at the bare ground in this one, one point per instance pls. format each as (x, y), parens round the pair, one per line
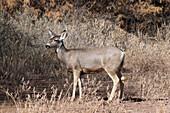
(149, 106)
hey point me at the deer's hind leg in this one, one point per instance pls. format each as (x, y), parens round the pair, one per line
(122, 79)
(115, 80)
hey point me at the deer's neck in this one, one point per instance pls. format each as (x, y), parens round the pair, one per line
(62, 52)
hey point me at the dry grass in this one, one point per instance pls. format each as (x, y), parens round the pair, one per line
(47, 85)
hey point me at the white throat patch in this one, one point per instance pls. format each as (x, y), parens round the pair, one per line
(57, 50)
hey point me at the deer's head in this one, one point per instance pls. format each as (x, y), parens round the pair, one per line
(55, 40)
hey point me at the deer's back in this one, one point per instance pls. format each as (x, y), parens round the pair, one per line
(95, 59)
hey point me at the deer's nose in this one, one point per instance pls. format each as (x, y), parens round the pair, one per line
(47, 46)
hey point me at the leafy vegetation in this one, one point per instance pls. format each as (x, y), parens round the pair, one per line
(131, 15)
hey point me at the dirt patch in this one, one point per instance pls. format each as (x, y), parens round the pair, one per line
(152, 106)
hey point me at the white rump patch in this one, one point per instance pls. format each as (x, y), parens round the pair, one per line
(123, 54)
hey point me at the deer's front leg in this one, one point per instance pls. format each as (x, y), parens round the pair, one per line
(76, 74)
(80, 88)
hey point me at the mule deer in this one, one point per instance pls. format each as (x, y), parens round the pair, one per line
(110, 59)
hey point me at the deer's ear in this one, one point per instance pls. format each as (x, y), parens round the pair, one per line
(63, 35)
(51, 34)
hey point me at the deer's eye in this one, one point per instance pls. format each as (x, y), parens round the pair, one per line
(57, 41)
